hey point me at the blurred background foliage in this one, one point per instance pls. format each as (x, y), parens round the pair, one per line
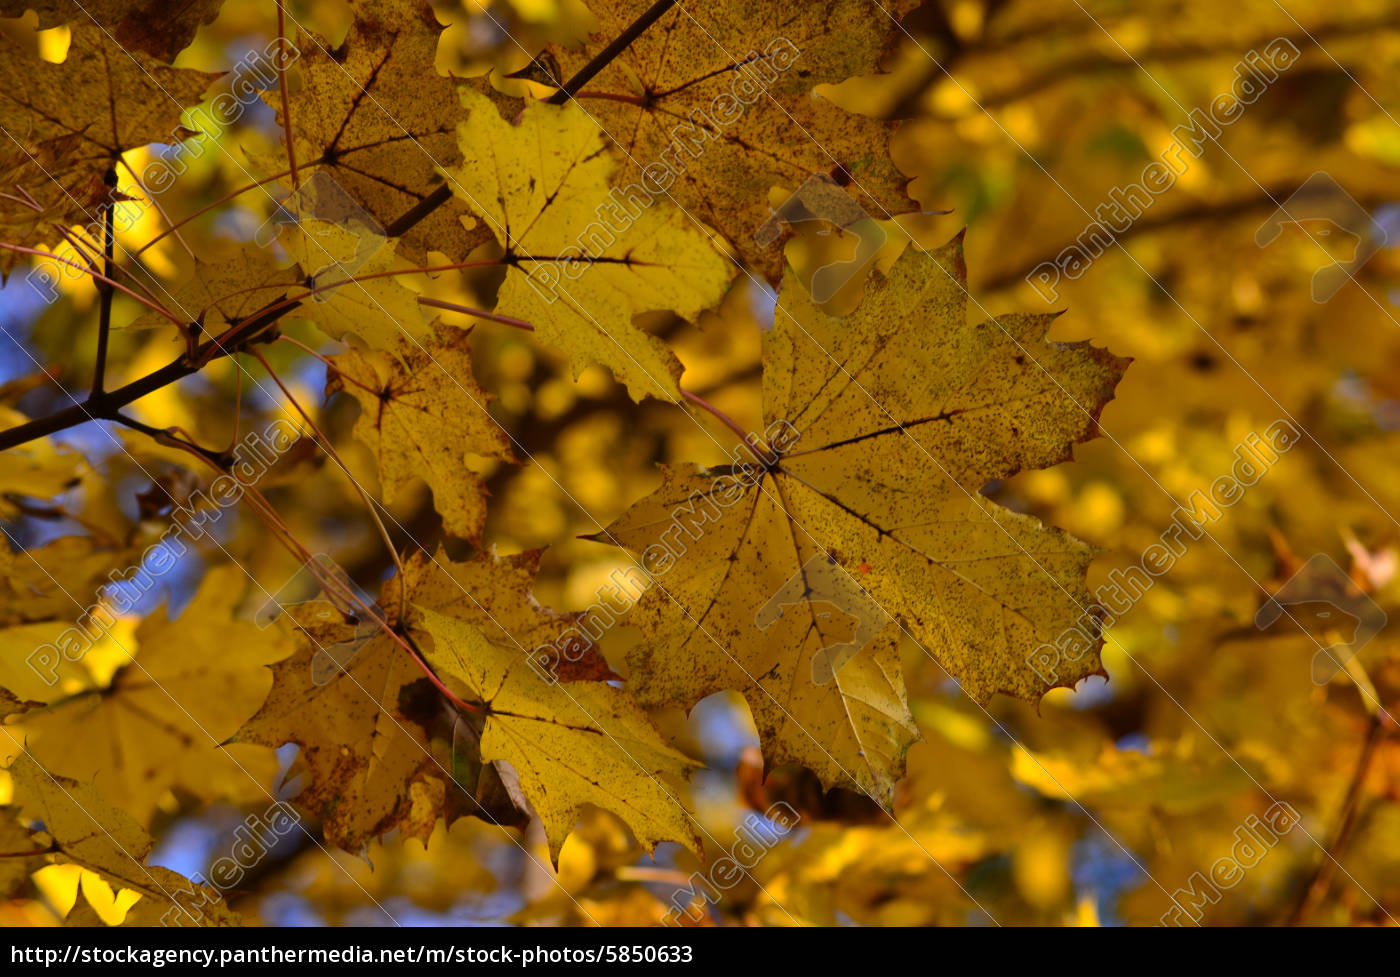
(1021, 117)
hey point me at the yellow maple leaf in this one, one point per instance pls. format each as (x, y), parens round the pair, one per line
(160, 719)
(421, 415)
(571, 743)
(892, 420)
(218, 289)
(374, 113)
(350, 696)
(713, 105)
(77, 118)
(340, 697)
(40, 470)
(581, 265)
(84, 829)
(345, 264)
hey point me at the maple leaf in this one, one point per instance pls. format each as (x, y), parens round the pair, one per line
(158, 722)
(13, 705)
(41, 470)
(221, 287)
(718, 98)
(340, 697)
(571, 744)
(160, 28)
(68, 124)
(582, 265)
(42, 583)
(380, 310)
(421, 415)
(350, 697)
(901, 413)
(84, 829)
(375, 114)
(15, 869)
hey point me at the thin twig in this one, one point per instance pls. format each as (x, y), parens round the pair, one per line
(330, 365)
(20, 249)
(105, 290)
(1322, 876)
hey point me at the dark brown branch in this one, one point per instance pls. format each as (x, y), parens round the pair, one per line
(419, 211)
(105, 291)
(105, 405)
(605, 57)
(218, 459)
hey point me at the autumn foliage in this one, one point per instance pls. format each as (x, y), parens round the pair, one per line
(531, 445)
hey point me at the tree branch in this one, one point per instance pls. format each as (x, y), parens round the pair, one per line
(106, 404)
(105, 291)
(1322, 876)
(605, 57)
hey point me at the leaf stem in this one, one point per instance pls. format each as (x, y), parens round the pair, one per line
(20, 249)
(282, 87)
(504, 320)
(728, 421)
